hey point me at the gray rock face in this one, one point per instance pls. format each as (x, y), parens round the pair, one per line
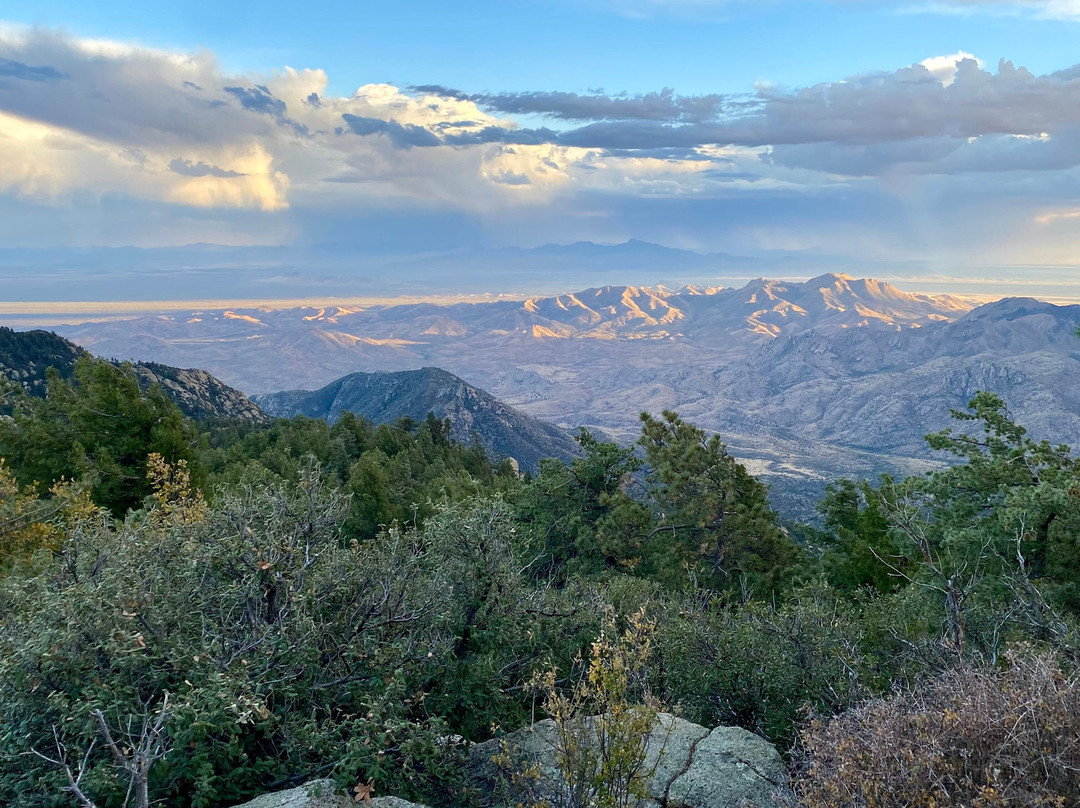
(314, 794)
(670, 753)
(729, 767)
(198, 394)
(394, 802)
(321, 794)
(691, 766)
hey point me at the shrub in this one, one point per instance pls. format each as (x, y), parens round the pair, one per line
(603, 723)
(760, 666)
(978, 737)
(503, 624)
(285, 649)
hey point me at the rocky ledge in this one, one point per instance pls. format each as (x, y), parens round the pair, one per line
(691, 767)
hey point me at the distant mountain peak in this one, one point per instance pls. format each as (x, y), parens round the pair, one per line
(1012, 307)
(831, 279)
(386, 396)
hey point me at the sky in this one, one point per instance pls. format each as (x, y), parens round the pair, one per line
(936, 140)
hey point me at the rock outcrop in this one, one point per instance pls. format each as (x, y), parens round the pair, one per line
(198, 394)
(313, 794)
(690, 766)
(321, 794)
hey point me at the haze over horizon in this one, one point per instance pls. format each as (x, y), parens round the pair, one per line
(353, 151)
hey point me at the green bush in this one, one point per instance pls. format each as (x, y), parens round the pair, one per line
(285, 650)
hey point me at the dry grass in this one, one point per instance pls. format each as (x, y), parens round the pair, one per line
(979, 738)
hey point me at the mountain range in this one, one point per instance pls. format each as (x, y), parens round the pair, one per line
(805, 381)
(222, 272)
(26, 357)
(267, 349)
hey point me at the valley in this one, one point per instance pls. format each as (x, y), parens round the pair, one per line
(806, 382)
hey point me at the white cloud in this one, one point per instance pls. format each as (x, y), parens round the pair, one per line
(106, 117)
(944, 68)
(945, 154)
(1042, 9)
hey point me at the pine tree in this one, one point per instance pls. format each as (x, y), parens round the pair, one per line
(713, 516)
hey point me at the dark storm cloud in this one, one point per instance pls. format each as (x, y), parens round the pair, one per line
(407, 135)
(864, 124)
(438, 89)
(9, 68)
(403, 136)
(260, 99)
(200, 169)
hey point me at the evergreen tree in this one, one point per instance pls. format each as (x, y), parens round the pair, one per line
(100, 427)
(588, 519)
(713, 517)
(858, 538)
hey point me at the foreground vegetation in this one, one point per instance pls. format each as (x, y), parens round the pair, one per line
(240, 607)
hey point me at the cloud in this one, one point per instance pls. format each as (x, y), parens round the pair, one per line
(403, 136)
(948, 114)
(252, 183)
(944, 68)
(1039, 9)
(953, 97)
(1056, 215)
(946, 154)
(200, 169)
(664, 105)
(11, 69)
(260, 99)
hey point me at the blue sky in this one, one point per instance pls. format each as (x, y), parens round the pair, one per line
(871, 131)
(695, 47)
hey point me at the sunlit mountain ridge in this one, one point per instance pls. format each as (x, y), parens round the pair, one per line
(389, 336)
(806, 380)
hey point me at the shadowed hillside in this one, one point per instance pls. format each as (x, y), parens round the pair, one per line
(26, 356)
(383, 397)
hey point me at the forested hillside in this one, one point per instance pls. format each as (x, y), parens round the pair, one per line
(27, 356)
(252, 605)
(386, 397)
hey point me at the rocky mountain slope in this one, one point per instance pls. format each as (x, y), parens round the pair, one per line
(262, 350)
(805, 381)
(25, 356)
(198, 394)
(385, 397)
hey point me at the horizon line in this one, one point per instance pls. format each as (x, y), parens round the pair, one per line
(72, 312)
